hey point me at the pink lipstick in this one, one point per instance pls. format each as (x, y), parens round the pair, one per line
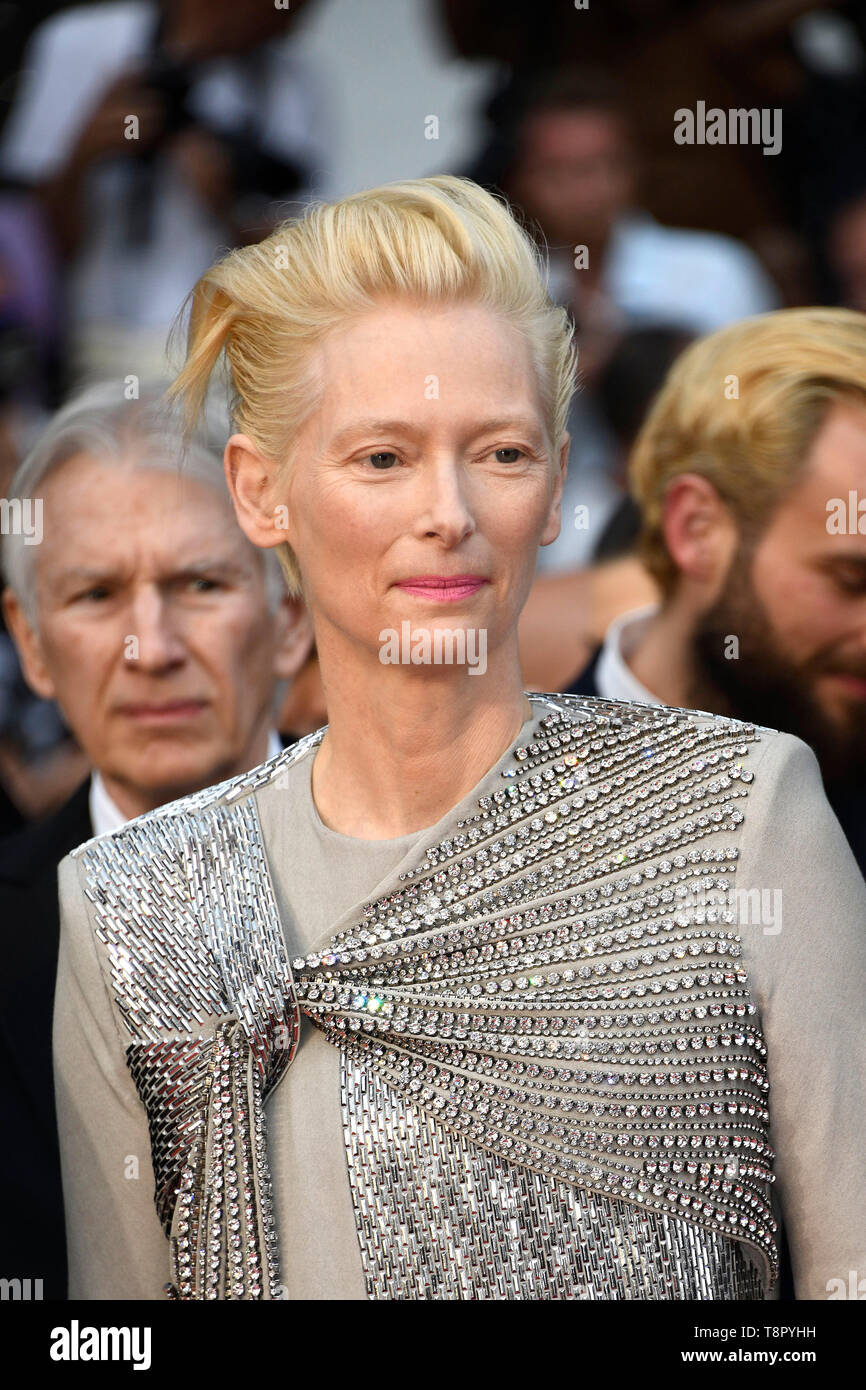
(443, 588)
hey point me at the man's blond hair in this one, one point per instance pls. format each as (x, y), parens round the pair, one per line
(742, 408)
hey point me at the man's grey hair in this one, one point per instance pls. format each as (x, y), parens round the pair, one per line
(102, 422)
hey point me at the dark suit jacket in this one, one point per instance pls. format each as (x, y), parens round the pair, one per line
(585, 683)
(32, 1237)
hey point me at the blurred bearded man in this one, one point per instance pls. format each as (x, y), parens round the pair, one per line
(750, 472)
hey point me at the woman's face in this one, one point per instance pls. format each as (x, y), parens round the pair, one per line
(427, 460)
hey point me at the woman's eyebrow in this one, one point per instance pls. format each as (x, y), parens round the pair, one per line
(523, 423)
(380, 426)
(371, 426)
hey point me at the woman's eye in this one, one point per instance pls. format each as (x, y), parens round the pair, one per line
(380, 460)
(516, 452)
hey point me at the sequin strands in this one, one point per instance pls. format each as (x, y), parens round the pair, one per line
(185, 907)
(553, 1071)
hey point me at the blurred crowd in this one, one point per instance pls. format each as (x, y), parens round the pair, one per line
(713, 545)
(142, 137)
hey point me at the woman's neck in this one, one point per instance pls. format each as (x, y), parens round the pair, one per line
(398, 755)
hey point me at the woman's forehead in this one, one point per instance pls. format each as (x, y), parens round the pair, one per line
(432, 356)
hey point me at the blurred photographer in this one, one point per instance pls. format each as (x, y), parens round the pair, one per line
(154, 135)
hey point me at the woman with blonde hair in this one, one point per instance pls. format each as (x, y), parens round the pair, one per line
(461, 996)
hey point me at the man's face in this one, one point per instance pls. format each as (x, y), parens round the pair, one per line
(573, 174)
(155, 637)
(796, 601)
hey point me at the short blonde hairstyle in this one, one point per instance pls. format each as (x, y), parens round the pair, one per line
(266, 306)
(742, 408)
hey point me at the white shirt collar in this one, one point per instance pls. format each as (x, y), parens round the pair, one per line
(613, 676)
(106, 815)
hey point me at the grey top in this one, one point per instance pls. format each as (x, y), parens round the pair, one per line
(807, 970)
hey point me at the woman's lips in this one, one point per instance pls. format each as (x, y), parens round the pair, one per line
(443, 588)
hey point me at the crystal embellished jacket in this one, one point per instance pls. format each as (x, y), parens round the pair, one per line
(553, 1012)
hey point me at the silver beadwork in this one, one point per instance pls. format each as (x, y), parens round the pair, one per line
(538, 1011)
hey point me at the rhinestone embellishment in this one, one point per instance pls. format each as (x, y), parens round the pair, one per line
(549, 1015)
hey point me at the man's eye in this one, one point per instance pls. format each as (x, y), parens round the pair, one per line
(98, 590)
(211, 583)
(518, 452)
(379, 460)
(852, 581)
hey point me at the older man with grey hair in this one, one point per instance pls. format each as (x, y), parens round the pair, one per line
(139, 606)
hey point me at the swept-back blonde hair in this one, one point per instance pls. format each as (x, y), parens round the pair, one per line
(741, 408)
(266, 306)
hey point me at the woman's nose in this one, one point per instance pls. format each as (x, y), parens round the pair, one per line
(445, 508)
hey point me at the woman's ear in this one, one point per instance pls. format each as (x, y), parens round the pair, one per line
(295, 637)
(553, 525)
(250, 478)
